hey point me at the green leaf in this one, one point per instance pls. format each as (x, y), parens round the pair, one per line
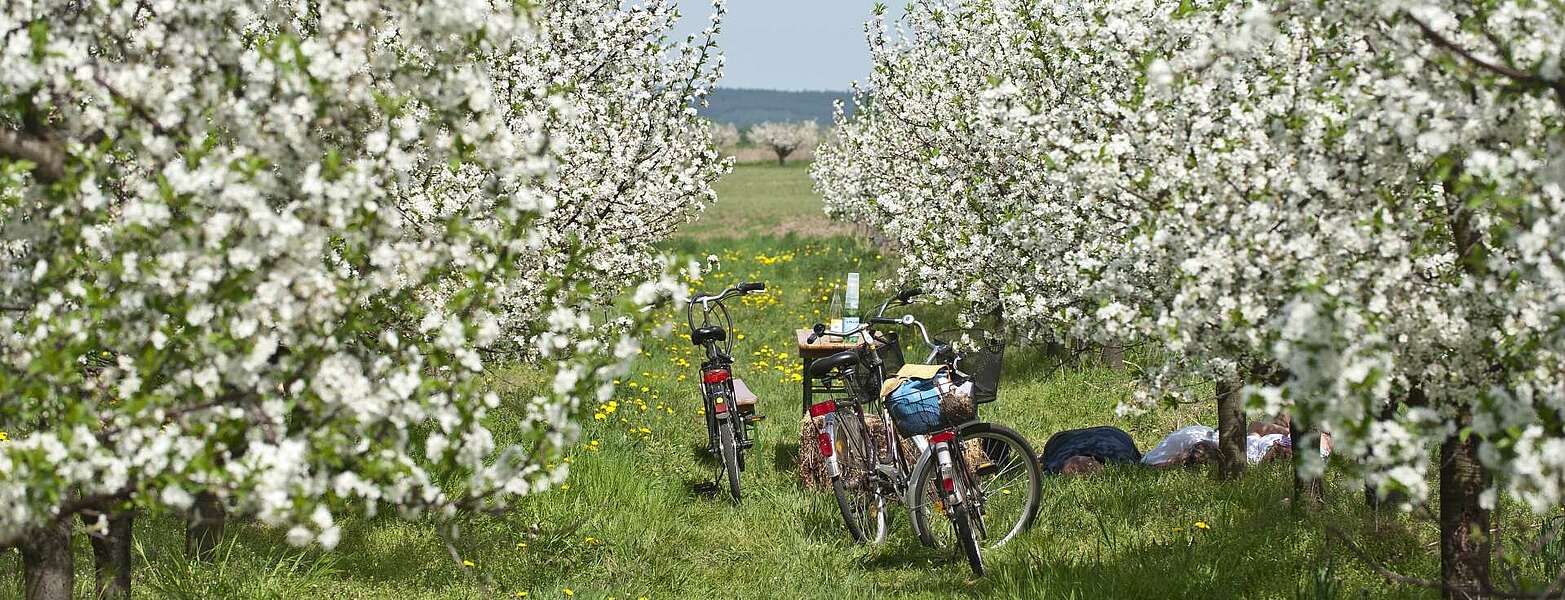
(38, 32)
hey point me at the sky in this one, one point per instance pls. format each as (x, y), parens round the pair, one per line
(790, 44)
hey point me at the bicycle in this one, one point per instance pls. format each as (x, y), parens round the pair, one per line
(730, 405)
(974, 498)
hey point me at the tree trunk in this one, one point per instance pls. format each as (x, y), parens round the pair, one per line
(1231, 431)
(1308, 494)
(48, 568)
(204, 530)
(111, 554)
(1464, 524)
(1114, 356)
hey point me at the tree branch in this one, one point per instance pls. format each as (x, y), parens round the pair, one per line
(48, 158)
(1503, 70)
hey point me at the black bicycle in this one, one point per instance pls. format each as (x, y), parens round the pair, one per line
(730, 405)
(983, 478)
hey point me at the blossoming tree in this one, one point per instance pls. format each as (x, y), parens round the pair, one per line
(259, 254)
(784, 139)
(1352, 205)
(725, 136)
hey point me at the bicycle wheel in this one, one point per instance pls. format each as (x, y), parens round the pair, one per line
(730, 451)
(858, 495)
(962, 522)
(1002, 496)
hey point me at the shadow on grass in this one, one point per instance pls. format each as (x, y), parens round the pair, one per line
(705, 489)
(703, 456)
(785, 456)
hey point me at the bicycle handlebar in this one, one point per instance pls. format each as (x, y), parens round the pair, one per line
(820, 331)
(902, 298)
(745, 287)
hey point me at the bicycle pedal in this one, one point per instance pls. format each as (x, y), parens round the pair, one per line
(987, 468)
(753, 419)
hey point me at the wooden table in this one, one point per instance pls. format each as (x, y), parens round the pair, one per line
(809, 353)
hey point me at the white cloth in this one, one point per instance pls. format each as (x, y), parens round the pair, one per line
(1174, 447)
(1256, 446)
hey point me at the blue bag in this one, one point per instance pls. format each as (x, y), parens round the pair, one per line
(915, 407)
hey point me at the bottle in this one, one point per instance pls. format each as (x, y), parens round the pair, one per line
(835, 312)
(850, 307)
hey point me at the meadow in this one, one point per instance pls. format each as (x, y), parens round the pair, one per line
(640, 518)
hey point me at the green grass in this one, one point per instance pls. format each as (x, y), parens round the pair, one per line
(639, 517)
(763, 199)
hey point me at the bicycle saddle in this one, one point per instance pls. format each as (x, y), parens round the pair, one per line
(824, 366)
(710, 333)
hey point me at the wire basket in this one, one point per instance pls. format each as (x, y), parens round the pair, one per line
(922, 406)
(981, 356)
(890, 353)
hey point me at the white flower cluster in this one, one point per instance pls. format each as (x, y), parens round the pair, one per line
(1347, 203)
(265, 249)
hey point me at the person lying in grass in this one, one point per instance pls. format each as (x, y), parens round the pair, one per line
(1084, 451)
(1197, 444)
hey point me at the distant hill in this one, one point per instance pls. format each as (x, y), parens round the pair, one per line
(745, 107)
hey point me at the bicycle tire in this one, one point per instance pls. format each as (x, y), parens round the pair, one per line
(963, 522)
(855, 452)
(730, 451)
(1021, 461)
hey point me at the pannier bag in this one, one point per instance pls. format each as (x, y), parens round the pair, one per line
(922, 399)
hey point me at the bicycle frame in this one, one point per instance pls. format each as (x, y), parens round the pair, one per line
(943, 447)
(717, 387)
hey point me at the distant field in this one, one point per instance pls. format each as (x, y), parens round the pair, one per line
(765, 199)
(636, 519)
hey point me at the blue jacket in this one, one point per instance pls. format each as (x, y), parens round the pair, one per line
(1106, 444)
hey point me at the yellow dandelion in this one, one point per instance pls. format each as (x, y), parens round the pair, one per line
(468, 563)
(1202, 525)
(521, 594)
(568, 592)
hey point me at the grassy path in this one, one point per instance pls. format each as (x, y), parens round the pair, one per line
(636, 519)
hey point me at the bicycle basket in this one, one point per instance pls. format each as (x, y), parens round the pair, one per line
(982, 355)
(890, 353)
(921, 406)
